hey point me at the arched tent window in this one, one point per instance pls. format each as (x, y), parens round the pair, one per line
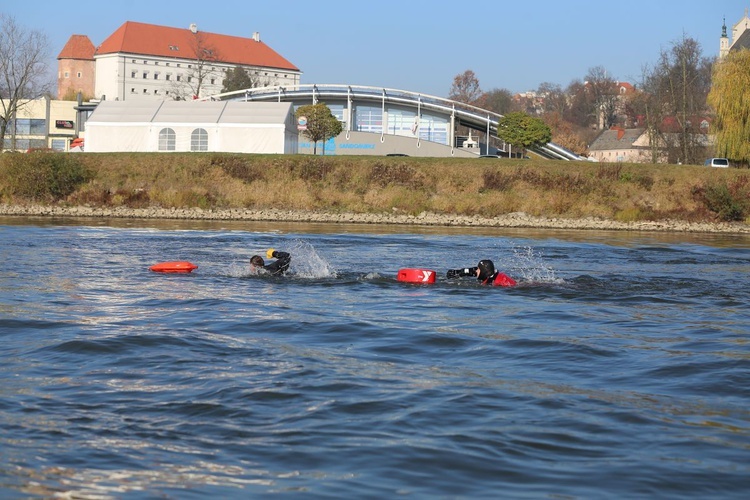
(166, 139)
(199, 140)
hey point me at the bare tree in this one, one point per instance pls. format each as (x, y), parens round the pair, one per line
(497, 100)
(579, 110)
(200, 70)
(677, 89)
(465, 88)
(554, 98)
(603, 91)
(23, 70)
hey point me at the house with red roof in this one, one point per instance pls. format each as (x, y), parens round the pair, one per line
(147, 61)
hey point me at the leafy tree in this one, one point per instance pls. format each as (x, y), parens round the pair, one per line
(23, 70)
(567, 134)
(321, 124)
(238, 78)
(522, 130)
(465, 88)
(730, 98)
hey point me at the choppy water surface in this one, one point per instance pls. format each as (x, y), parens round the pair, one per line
(620, 367)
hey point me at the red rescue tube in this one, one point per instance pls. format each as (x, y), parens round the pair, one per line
(416, 275)
(181, 266)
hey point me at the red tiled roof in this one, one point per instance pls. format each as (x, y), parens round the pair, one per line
(180, 43)
(78, 47)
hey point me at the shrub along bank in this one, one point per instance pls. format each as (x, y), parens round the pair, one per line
(469, 187)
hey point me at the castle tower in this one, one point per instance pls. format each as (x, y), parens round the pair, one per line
(76, 68)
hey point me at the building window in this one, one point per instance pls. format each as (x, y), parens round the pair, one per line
(179, 78)
(145, 75)
(199, 140)
(67, 75)
(156, 76)
(213, 81)
(132, 90)
(145, 62)
(166, 139)
(368, 119)
(168, 76)
(28, 126)
(133, 74)
(156, 92)
(79, 74)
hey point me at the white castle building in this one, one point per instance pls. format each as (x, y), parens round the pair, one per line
(146, 61)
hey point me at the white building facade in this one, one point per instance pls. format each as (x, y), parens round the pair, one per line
(738, 38)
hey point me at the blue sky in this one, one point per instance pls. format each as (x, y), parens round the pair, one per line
(420, 45)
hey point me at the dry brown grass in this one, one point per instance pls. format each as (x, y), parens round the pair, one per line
(625, 192)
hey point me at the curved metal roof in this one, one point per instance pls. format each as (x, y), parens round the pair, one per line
(464, 114)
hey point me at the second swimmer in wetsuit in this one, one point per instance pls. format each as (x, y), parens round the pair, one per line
(276, 268)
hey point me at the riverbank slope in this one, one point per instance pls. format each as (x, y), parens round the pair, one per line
(377, 190)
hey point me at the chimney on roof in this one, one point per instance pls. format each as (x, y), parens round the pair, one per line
(194, 28)
(256, 36)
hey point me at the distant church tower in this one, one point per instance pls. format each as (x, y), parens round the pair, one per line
(724, 43)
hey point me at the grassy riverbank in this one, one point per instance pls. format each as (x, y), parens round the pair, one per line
(371, 185)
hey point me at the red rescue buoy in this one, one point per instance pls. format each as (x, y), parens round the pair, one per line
(173, 267)
(416, 275)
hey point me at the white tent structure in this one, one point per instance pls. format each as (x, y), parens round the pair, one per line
(219, 126)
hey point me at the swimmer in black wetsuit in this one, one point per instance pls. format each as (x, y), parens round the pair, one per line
(277, 268)
(485, 273)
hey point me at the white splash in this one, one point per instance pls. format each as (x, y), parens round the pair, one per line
(527, 264)
(306, 263)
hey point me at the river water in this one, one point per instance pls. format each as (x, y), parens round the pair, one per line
(619, 367)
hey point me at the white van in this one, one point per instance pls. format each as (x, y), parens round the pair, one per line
(717, 162)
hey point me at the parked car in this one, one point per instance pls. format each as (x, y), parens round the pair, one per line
(717, 162)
